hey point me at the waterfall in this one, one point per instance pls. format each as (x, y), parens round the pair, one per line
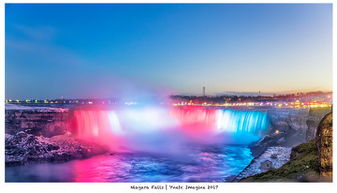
(98, 126)
(195, 121)
(241, 122)
(243, 126)
(139, 126)
(91, 123)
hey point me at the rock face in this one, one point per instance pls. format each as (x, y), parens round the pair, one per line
(303, 166)
(273, 158)
(324, 146)
(291, 122)
(43, 121)
(35, 134)
(290, 127)
(309, 162)
(22, 148)
(314, 119)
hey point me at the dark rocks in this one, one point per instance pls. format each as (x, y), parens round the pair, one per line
(309, 162)
(43, 121)
(266, 142)
(324, 146)
(21, 135)
(303, 166)
(51, 147)
(290, 127)
(22, 148)
(266, 165)
(274, 156)
(314, 118)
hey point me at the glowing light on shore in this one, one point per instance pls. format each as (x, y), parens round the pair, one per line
(297, 104)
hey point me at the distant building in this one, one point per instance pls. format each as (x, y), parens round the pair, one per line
(203, 91)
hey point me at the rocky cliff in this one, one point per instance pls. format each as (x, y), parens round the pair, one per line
(22, 148)
(324, 146)
(35, 134)
(43, 121)
(290, 127)
(313, 120)
(309, 162)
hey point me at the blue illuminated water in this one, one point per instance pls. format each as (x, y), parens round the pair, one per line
(243, 127)
(222, 154)
(207, 163)
(242, 122)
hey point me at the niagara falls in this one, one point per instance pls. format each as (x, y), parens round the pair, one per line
(174, 142)
(120, 93)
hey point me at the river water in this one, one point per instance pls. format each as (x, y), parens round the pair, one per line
(205, 163)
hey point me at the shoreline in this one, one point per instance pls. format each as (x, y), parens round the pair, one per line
(274, 157)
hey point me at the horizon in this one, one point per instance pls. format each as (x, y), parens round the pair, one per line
(229, 94)
(123, 50)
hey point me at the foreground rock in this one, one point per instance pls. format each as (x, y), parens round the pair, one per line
(22, 148)
(309, 162)
(273, 158)
(303, 166)
(289, 128)
(324, 145)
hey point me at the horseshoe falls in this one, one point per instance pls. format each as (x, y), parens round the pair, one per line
(156, 144)
(242, 126)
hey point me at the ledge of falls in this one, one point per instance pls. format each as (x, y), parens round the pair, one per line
(150, 129)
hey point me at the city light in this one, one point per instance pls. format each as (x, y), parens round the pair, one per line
(297, 104)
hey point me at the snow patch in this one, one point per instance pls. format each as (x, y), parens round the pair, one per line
(272, 158)
(29, 108)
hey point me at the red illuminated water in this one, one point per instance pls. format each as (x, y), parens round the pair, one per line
(191, 144)
(154, 126)
(195, 121)
(214, 163)
(98, 125)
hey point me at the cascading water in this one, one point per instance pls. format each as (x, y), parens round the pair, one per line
(222, 125)
(98, 125)
(134, 128)
(242, 122)
(195, 121)
(243, 126)
(156, 126)
(157, 144)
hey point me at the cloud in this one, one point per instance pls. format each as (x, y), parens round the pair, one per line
(44, 51)
(44, 69)
(40, 33)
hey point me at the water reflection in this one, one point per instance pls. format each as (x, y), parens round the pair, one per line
(207, 163)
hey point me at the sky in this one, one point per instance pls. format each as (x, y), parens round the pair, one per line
(116, 50)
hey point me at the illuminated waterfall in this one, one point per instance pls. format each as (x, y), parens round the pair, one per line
(90, 123)
(98, 126)
(241, 127)
(195, 121)
(242, 122)
(139, 126)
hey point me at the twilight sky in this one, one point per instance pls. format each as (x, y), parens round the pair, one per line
(105, 50)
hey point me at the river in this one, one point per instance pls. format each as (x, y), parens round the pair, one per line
(204, 163)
